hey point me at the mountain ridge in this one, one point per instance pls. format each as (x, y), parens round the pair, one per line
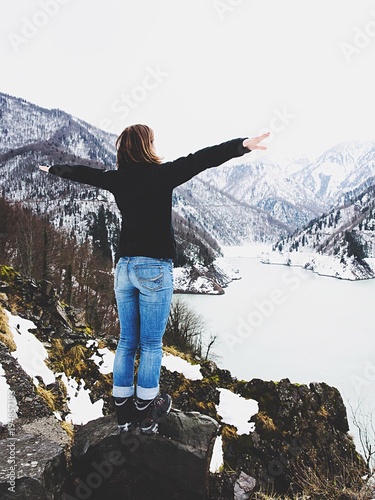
(233, 204)
(41, 136)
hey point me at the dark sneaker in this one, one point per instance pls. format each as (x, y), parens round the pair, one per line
(152, 411)
(125, 413)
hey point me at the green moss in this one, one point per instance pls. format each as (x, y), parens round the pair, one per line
(213, 380)
(48, 397)
(73, 361)
(7, 273)
(103, 384)
(169, 349)
(68, 428)
(228, 434)
(101, 344)
(208, 408)
(87, 330)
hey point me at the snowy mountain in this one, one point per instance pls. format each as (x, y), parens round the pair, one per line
(25, 124)
(234, 204)
(294, 193)
(342, 168)
(229, 220)
(340, 243)
(267, 187)
(31, 135)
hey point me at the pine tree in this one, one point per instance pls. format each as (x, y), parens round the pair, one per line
(355, 248)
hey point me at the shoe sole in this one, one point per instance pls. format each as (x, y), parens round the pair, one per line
(125, 427)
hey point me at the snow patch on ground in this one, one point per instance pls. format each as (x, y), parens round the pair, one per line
(176, 364)
(30, 353)
(236, 410)
(104, 359)
(82, 410)
(217, 459)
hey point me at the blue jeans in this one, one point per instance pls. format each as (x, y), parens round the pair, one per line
(143, 289)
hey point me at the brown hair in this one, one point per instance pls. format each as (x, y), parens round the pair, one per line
(135, 145)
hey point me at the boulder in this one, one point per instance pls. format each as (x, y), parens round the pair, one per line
(29, 404)
(171, 464)
(32, 467)
(244, 485)
(301, 432)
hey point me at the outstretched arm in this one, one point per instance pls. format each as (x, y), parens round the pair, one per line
(80, 173)
(183, 169)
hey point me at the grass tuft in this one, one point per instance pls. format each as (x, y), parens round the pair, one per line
(6, 336)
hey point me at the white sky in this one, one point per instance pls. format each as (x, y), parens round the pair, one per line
(226, 68)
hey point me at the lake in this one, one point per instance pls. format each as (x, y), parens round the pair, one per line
(285, 322)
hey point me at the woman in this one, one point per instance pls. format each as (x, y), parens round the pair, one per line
(142, 186)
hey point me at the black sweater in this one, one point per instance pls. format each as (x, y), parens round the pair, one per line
(143, 193)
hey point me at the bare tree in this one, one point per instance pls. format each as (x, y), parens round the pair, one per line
(364, 421)
(211, 342)
(184, 329)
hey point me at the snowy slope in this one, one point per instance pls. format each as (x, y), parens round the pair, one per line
(267, 187)
(31, 135)
(23, 123)
(340, 243)
(32, 356)
(340, 169)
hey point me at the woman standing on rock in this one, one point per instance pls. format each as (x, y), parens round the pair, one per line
(142, 186)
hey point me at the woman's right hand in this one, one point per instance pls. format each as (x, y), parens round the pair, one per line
(253, 143)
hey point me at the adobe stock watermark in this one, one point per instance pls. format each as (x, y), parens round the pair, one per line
(362, 38)
(30, 26)
(11, 462)
(224, 7)
(281, 119)
(128, 101)
(262, 310)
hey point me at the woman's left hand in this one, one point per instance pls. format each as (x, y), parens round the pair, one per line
(44, 168)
